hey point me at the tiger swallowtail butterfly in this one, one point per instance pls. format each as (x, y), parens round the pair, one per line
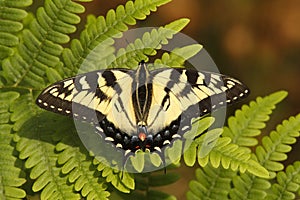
(141, 109)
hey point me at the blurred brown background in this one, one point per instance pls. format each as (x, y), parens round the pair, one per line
(256, 41)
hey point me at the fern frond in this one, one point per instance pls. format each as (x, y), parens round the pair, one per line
(134, 52)
(248, 186)
(273, 149)
(210, 184)
(79, 169)
(22, 110)
(215, 176)
(210, 148)
(275, 146)
(191, 147)
(248, 121)
(10, 169)
(11, 16)
(121, 180)
(104, 30)
(246, 124)
(41, 44)
(35, 145)
(288, 183)
(231, 156)
(178, 56)
(216, 183)
(146, 45)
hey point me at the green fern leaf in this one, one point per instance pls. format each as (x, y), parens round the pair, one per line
(247, 186)
(216, 183)
(178, 56)
(209, 141)
(288, 183)
(79, 168)
(230, 155)
(121, 180)
(52, 75)
(247, 122)
(273, 149)
(103, 30)
(191, 147)
(11, 176)
(275, 146)
(36, 146)
(209, 148)
(11, 16)
(22, 110)
(210, 184)
(41, 44)
(136, 51)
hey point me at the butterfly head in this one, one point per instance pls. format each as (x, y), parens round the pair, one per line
(142, 133)
(144, 139)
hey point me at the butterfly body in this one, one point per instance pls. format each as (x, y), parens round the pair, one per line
(141, 109)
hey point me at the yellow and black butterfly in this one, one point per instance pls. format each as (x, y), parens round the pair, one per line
(141, 109)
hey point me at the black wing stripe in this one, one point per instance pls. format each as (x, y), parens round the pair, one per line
(192, 76)
(109, 78)
(166, 100)
(100, 94)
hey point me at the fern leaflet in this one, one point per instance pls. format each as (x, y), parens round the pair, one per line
(275, 146)
(11, 15)
(273, 149)
(178, 56)
(79, 169)
(11, 175)
(104, 29)
(210, 183)
(242, 128)
(247, 122)
(41, 44)
(288, 183)
(39, 151)
(147, 43)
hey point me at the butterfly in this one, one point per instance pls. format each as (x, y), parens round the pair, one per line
(141, 109)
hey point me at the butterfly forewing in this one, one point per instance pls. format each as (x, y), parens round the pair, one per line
(84, 94)
(203, 91)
